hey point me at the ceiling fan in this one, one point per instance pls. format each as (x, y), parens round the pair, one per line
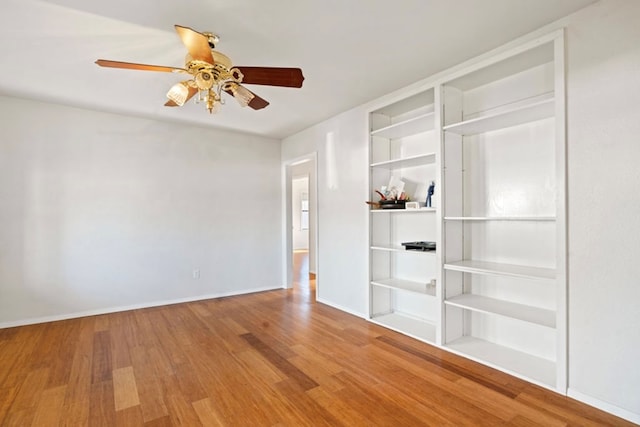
(211, 73)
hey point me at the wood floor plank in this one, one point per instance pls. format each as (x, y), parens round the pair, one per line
(120, 357)
(19, 418)
(181, 411)
(30, 390)
(129, 417)
(101, 360)
(101, 322)
(280, 362)
(274, 358)
(451, 367)
(376, 407)
(49, 410)
(317, 372)
(424, 412)
(296, 403)
(60, 368)
(340, 409)
(76, 405)
(76, 412)
(497, 403)
(160, 422)
(254, 362)
(19, 351)
(208, 414)
(125, 389)
(149, 386)
(7, 396)
(101, 406)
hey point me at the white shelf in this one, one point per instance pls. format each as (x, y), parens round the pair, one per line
(521, 114)
(416, 328)
(421, 210)
(412, 126)
(400, 249)
(498, 269)
(523, 365)
(512, 310)
(500, 218)
(406, 162)
(406, 285)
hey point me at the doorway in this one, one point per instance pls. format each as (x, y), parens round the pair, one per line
(301, 261)
(302, 276)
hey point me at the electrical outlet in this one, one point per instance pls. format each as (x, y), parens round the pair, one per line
(196, 274)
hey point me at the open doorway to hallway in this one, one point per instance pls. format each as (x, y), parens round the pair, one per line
(303, 281)
(301, 225)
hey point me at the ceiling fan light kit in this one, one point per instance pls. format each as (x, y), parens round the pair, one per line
(212, 73)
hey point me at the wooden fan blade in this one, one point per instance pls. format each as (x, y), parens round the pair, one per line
(192, 91)
(272, 76)
(196, 43)
(133, 66)
(256, 103)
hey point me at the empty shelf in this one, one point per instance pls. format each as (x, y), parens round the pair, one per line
(499, 269)
(527, 313)
(407, 162)
(406, 285)
(506, 118)
(412, 126)
(416, 328)
(523, 365)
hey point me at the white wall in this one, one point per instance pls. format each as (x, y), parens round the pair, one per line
(342, 244)
(299, 187)
(100, 211)
(603, 104)
(604, 203)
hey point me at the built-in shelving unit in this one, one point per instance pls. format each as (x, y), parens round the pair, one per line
(403, 145)
(503, 213)
(492, 138)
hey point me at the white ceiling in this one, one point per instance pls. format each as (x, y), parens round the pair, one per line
(351, 51)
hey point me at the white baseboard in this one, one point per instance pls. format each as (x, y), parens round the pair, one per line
(107, 310)
(607, 407)
(341, 308)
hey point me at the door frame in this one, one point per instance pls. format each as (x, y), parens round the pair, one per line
(287, 220)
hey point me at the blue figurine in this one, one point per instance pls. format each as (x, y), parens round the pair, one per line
(432, 188)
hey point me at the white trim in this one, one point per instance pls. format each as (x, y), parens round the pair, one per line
(607, 407)
(108, 310)
(341, 308)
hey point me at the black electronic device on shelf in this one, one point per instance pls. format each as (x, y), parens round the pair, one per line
(420, 246)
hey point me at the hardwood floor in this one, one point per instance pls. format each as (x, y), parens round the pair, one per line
(265, 359)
